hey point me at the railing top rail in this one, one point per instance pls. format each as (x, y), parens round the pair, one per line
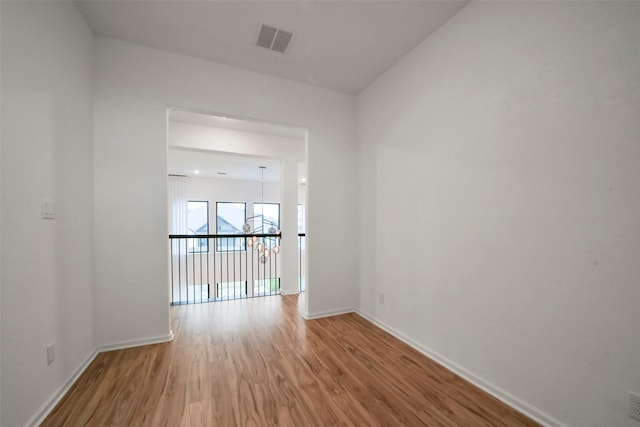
(219, 236)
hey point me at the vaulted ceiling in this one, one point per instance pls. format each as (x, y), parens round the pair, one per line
(339, 45)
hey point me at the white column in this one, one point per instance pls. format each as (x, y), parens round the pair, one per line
(289, 226)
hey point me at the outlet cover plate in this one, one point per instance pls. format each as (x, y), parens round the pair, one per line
(48, 208)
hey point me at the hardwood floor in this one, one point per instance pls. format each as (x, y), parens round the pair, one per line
(256, 362)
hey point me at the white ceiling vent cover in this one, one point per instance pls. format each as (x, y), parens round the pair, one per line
(273, 38)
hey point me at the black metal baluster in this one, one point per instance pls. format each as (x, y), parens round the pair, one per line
(299, 262)
(171, 261)
(227, 254)
(270, 274)
(275, 269)
(253, 280)
(302, 239)
(215, 280)
(257, 268)
(239, 270)
(235, 283)
(186, 269)
(246, 269)
(200, 260)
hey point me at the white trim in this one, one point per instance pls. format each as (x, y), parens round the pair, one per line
(58, 394)
(137, 343)
(500, 394)
(328, 313)
(293, 292)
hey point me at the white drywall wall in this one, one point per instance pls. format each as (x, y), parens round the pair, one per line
(134, 86)
(47, 265)
(499, 173)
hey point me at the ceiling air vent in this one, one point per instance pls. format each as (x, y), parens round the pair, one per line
(273, 38)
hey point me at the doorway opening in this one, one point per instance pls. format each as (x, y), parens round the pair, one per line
(236, 207)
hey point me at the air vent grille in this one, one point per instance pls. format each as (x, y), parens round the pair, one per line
(273, 38)
(266, 36)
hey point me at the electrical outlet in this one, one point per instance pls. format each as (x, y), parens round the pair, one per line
(381, 297)
(51, 353)
(634, 406)
(48, 208)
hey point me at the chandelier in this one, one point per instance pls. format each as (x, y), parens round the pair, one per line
(265, 243)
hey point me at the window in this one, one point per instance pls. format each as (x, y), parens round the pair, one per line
(198, 223)
(230, 217)
(266, 217)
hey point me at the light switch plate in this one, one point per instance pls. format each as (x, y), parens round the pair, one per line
(51, 353)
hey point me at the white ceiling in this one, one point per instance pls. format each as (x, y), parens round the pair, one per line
(244, 125)
(213, 164)
(341, 45)
(208, 164)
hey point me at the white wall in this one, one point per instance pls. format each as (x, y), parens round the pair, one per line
(134, 85)
(230, 190)
(47, 265)
(505, 150)
(235, 141)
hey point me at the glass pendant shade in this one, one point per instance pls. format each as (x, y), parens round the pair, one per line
(261, 245)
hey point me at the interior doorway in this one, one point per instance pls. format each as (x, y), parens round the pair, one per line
(237, 208)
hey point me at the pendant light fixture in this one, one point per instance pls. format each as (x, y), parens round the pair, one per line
(264, 245)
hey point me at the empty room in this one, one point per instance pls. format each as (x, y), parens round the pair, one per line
(372, 212)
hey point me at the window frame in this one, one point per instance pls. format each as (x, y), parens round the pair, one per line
(192, 249)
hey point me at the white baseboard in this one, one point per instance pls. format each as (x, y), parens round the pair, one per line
(289, 292)
(329, 313)
(137, 343)
(496, 392)
(528, 410)
(57, 395)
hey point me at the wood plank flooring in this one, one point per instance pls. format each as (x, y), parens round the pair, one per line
(256, 362)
